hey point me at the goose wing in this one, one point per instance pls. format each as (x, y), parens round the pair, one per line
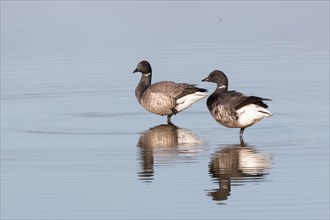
(247, 100)
(237, 100)
(222, 107)
(174, 90)
(230, 99)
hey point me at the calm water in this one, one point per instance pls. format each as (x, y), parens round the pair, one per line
(75, 144)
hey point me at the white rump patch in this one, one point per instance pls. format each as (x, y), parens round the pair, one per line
(251, 114)
(186, 101)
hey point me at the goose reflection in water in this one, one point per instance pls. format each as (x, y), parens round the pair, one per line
(235, 165)
(166, 143)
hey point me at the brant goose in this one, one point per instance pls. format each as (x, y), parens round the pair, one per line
(233, 109)
(166, 97)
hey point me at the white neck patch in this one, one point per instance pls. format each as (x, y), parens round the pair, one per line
(147, 74)
(221, 86)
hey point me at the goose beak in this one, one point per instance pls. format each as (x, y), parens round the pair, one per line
(206, 79)
(136, 70)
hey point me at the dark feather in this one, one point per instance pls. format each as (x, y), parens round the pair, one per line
(252, 100)
(188, 89)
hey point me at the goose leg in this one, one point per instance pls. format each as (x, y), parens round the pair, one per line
(241, 136)
(169, 119)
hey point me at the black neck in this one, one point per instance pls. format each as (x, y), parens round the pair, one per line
(211, 99)
(144, 83)
(220, 89)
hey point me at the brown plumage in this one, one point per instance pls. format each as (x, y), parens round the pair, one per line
(166, 97)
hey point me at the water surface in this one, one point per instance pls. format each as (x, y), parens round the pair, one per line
(75, 144)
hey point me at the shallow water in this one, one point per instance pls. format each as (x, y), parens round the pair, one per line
(75, 144)
(80, 146)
